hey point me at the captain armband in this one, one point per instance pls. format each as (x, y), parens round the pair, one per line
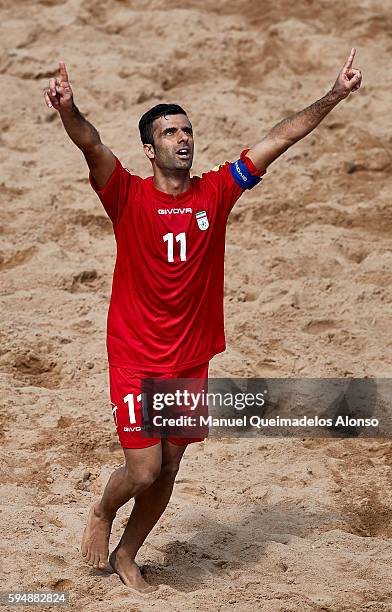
(244, 172)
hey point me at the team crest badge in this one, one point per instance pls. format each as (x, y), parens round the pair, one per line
(202, 220)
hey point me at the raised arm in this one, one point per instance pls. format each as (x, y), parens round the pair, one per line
(291, 130)
(99, 157)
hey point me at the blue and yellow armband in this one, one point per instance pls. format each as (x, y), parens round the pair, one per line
(244, 172)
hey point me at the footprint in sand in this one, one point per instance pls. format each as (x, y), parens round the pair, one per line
(81, 281)
(18, 258)
(320, 326)
(34, 366)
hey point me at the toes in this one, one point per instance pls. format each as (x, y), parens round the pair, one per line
(95, 560)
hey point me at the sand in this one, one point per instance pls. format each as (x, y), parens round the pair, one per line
(275, 525)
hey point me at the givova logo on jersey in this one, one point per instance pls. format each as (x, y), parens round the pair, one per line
(202, 220)
(174, 211)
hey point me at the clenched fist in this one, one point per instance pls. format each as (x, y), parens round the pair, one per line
(59, 93)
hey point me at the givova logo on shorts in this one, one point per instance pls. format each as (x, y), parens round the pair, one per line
(202, 220)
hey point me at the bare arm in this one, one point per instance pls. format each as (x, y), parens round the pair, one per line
(99, 157)
(291, 130)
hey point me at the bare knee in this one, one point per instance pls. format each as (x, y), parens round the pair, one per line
(142, 477)
(169, 470)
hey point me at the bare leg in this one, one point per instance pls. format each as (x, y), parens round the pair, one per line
(148, 508)
(141, 469)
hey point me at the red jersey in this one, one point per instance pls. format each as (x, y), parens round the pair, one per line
(166, 308)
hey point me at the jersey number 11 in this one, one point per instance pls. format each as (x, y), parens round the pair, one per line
(181, 238)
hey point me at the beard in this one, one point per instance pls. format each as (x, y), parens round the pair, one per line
(169, 160)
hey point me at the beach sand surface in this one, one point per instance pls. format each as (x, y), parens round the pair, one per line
(278, 525)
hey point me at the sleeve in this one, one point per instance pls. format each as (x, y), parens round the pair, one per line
(233, 178)
(116, 192)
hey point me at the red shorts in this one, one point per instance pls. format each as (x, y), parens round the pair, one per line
(125, 387)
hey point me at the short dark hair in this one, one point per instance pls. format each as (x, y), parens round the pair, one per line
(160, 110)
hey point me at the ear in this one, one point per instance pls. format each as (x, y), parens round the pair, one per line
(149, 151)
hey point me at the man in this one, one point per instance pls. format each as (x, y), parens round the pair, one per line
(166, 311)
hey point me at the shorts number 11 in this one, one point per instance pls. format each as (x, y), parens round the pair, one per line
(128, 399)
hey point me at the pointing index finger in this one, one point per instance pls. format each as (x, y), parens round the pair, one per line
(63, 72)
(350, 59)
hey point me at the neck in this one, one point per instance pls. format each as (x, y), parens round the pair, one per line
(173, 183)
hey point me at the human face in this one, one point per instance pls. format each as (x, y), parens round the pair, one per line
(173, 143)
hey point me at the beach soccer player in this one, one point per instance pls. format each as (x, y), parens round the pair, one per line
(165, 316)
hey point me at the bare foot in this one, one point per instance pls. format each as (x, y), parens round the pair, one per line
(129, 572)
(95, 542)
